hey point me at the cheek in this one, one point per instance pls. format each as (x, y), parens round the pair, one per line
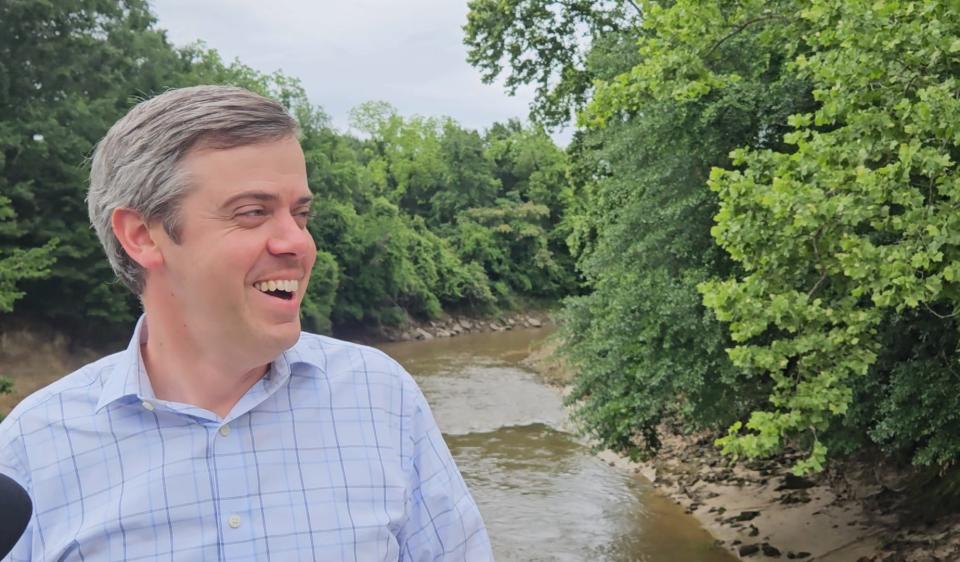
(226, 265)
(312, 255)
(308, 248)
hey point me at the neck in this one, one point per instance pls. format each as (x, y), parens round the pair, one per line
(190, 369)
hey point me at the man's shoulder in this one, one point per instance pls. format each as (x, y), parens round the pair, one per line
(332, 356)
(80, 388)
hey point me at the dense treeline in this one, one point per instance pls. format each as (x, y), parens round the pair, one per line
(766, 212)
(761, 198)
(414, 216)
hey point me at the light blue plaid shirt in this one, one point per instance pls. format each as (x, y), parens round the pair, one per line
(333, 455)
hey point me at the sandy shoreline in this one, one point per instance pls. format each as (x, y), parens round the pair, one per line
(759, 511)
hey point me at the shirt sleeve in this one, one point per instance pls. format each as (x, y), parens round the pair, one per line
(10, 465)
(444, 523)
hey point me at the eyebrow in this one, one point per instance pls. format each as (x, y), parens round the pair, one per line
(262, 196)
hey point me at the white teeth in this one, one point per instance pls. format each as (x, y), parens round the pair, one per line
(288, 285)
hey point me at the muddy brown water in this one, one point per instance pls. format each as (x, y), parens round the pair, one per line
(544, 496)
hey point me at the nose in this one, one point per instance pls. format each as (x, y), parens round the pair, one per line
(289, 238)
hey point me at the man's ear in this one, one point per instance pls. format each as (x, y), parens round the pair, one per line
(136, 238)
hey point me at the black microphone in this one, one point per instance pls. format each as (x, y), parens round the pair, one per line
(15, 511)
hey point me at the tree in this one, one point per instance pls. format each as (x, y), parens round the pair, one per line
(386, 205)
(544, 43)
(871, 239)
(468, 180)
(510, 242)
(531, 169)
(17, 264)
(67, 71)
(844, 236)
(639, 222)
(404, 156)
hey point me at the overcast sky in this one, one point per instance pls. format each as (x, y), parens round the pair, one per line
(409, 53)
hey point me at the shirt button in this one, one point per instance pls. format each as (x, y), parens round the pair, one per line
(148, 405)
(224, 430)
(234, 521)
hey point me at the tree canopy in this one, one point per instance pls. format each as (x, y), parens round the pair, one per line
(402, 217)
(765, 217)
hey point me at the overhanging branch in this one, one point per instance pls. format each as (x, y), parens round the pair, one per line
(740, 27)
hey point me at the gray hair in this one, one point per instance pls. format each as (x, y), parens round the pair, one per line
(136, 165)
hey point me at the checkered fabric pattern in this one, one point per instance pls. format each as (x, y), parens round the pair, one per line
(333, 455)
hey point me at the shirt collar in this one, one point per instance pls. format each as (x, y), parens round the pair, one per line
(129, 377)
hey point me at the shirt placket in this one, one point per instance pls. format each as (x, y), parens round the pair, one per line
(238, 522)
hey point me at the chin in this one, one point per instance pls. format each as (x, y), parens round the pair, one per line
(286, 335)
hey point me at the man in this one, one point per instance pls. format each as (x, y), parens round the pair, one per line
(223, 432)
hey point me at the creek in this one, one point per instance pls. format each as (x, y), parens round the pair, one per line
(544, 496)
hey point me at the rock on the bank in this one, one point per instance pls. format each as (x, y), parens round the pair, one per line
(422, 334)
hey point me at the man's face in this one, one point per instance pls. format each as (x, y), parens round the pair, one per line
(239, 272)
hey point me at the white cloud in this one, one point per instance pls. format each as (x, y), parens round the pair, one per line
(408, 53)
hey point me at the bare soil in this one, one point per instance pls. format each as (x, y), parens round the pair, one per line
(35, 357)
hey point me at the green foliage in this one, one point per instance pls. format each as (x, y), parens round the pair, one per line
(842, 232)
(907, 403)
(510, 242)
(838, 210)
(317, 305)
(492, 202)
(468, 167)
(645, 348)
(391, 264)
(17, 264)
(871, 196)
(543, 43)
(23, 264)
(387, 205)
(67, 70)
(532, 169)
(639, 216)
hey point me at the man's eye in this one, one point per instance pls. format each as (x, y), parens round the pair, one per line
(252, 213)
(303, 216)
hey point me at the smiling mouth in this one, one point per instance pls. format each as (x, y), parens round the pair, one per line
(278, 289)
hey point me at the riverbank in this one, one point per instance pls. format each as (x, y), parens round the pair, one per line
(34, 355)
(760, 511)
(856, 511)
(448, 326)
